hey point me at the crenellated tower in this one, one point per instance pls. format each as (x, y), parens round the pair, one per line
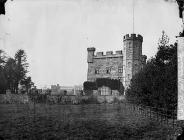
(121, 65)
(132, 56)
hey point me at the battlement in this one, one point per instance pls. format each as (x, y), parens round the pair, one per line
(132, 37)
(99, 54)
(118, 52)
(108, 54)
(91, 49)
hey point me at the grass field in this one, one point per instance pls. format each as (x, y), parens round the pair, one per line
(78, 122)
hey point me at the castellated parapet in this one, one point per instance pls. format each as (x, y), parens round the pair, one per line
(122, 64)
(108, 54)
(133, 37)
(91, 52)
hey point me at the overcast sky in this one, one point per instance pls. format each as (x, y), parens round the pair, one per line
(56, 33)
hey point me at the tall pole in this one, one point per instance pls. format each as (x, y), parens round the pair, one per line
(133, 9)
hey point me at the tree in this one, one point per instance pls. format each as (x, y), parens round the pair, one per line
(156, 84)
(2, 58)
(3, 81)
(13, 72)
(10, 73)
(164, 40)
(21, 67)
(27, 82)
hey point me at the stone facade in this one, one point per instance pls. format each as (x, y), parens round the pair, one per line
(122, 65)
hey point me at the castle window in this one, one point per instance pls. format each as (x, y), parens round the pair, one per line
(108, 70)
(97, 71)
(120, 69)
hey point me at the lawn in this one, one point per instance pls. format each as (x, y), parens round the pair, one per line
(78, 122)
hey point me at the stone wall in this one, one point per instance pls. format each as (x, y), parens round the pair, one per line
(102, 64)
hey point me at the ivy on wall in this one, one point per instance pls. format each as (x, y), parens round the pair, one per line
(113, 84)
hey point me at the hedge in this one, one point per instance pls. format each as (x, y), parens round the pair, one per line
(114, 84)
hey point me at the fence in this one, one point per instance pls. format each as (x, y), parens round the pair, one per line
(167, 117)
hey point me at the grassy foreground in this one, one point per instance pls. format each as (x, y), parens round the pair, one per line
(77, 122)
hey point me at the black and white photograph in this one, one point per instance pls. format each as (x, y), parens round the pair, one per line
(91, 69)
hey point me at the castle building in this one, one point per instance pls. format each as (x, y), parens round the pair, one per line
(122, 65)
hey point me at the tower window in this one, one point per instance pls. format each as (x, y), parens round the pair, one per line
(108, 70)
(120, 69)
(97, 71)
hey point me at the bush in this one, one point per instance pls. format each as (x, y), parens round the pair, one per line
(114, 84)
(89, 85)
(37, 97)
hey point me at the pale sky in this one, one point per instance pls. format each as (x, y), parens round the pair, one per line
(56, 33)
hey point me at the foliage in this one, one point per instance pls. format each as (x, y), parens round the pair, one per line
(3, 81)
(21, 67)
(114, 84)
(27, 82)
(89, 85)
(13, 72)
(36, 97)
(156, 84)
